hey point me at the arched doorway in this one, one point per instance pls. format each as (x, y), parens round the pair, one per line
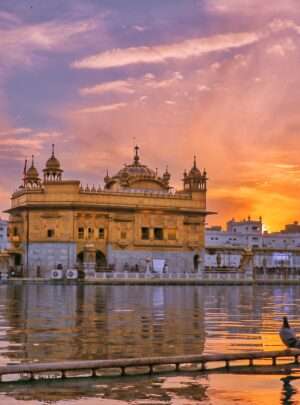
(100, 260)
(16, 264)
(80, 258)
(196, 262)
(17, 259)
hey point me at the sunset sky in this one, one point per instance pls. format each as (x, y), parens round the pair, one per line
(216, 78)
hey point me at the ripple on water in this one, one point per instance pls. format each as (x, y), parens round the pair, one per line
(60, 322)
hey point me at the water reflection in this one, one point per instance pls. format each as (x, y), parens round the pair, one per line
(288, 391)
(84, 322)
(142, 390)
(62, 322)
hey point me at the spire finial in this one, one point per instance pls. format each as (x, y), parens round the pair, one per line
(195, 163)
(136, 156)
(53, 149)
(25, 167)
(32, 160)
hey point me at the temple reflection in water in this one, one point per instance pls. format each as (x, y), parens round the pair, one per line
(69, 322)
(75, 322)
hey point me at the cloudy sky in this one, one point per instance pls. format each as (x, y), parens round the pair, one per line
(216, 78)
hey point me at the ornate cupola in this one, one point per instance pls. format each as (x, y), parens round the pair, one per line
(195, 180)
(31, 176)
(137, 176)
(166, 177)
(52, 171)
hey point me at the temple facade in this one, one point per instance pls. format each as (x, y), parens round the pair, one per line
(135, 218)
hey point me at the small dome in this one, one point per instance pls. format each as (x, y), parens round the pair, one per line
(52, 162)
(52, 171)
(166, 176)
(32, 172)
(194, 180)
(194, 172)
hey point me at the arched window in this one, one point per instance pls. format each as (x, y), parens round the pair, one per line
(80, 233)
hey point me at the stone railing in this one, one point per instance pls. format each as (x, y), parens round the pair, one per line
(29, 190)
(146, 193)
(137, 275)
(214, 276)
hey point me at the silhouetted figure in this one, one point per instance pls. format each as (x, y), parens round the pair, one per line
(288, 336)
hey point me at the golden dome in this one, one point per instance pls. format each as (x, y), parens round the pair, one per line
(32, 172)
(52, 171)
(52, 163)
(194, 180)
(136, 175)
(136, 171)
(194, 172)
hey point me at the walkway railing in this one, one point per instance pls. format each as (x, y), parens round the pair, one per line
(223, 275)
(93, 367)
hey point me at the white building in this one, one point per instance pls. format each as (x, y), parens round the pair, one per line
(3, 234)
(224, 248)
(246, 233)
(288, 238)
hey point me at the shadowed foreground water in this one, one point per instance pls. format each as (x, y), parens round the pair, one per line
(68, 322)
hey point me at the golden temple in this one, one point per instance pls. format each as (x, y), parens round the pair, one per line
(135, 218)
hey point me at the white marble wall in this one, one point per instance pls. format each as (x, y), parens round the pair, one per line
(176, 261)
(47, 256)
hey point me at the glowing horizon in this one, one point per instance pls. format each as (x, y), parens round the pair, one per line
(214, 78)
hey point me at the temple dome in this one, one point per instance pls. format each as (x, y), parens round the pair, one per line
(194, 180)
(32, 173)
(136, 170)
(52, 171)
(53, 162)
(136, 176)
(194, 172)
(31, 176)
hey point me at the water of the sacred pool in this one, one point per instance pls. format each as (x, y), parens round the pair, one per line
(43, 322)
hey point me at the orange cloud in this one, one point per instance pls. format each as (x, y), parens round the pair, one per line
(238, 113)
(235, 107)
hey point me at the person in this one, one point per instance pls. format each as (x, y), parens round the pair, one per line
(288, 336)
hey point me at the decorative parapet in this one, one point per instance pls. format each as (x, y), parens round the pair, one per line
(138, 192)
(26, 190)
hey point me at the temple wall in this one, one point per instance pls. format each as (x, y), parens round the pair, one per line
(43, 257)
(47, 256)
(176, 261)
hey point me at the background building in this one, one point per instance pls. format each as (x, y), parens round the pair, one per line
(134, 219)
(271, 250)
(3, 234)
(246, 233)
